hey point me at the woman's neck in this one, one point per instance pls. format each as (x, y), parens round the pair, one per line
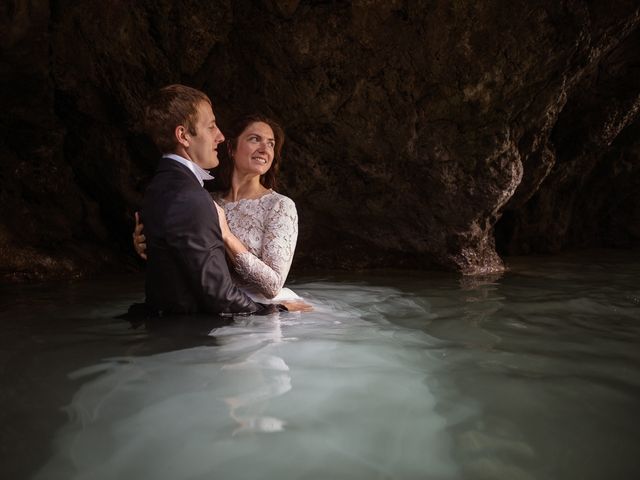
(244, 187)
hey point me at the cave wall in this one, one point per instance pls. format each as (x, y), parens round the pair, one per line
(591, 193)
(415, 128)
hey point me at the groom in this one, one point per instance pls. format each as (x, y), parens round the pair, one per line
(186, 269)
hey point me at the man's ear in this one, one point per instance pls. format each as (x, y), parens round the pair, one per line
(182, 135)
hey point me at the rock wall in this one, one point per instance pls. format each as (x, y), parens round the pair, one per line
(418, 131)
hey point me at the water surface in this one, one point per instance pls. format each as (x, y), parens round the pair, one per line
(532, 375)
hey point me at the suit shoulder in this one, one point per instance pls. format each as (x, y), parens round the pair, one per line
(199, 197)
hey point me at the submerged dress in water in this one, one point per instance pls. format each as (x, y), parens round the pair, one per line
(268, 227)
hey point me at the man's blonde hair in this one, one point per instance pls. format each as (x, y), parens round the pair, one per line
(170, 107)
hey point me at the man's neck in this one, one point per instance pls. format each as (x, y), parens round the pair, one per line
(200, 174)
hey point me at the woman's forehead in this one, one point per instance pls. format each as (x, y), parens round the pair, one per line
(260, 128)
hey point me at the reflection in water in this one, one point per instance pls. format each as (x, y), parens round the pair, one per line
(266, 375)
(332, 392)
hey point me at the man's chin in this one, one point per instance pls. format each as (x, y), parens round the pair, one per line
(210, 165)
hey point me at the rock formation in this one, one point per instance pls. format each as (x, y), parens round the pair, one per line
(418, 132)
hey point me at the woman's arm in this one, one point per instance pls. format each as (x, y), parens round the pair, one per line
(269, 272)
(139, 239)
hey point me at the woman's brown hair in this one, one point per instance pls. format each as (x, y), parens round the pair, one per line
(224, 171)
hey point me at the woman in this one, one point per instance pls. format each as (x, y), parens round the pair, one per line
(259, 226)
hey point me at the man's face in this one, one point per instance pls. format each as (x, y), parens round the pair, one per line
(202, 149)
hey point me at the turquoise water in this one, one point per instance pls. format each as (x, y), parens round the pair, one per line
(532, 375)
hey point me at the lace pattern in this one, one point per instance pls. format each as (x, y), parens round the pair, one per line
(268, 227)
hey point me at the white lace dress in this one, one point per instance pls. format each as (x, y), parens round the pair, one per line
(268, 227)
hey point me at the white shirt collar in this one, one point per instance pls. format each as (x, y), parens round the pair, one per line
(200, 173)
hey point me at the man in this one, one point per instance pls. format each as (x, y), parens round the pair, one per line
(186, 269)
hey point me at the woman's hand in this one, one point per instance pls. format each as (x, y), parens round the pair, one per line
(232, 245)
(297, 306)
(138, 238)
(224, 226)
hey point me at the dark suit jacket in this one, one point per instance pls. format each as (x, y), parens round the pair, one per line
(186, 268)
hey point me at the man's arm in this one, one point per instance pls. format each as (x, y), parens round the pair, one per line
(193, 235)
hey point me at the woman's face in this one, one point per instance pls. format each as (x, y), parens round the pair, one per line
(254, 149)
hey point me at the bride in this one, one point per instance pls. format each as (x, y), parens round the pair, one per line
(259, 226)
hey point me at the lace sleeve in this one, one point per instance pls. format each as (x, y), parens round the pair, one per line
(269, 272)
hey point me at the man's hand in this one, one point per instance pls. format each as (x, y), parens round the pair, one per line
(139, 239)
(297, 306)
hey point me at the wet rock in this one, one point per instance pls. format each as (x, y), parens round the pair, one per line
(415, 129)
